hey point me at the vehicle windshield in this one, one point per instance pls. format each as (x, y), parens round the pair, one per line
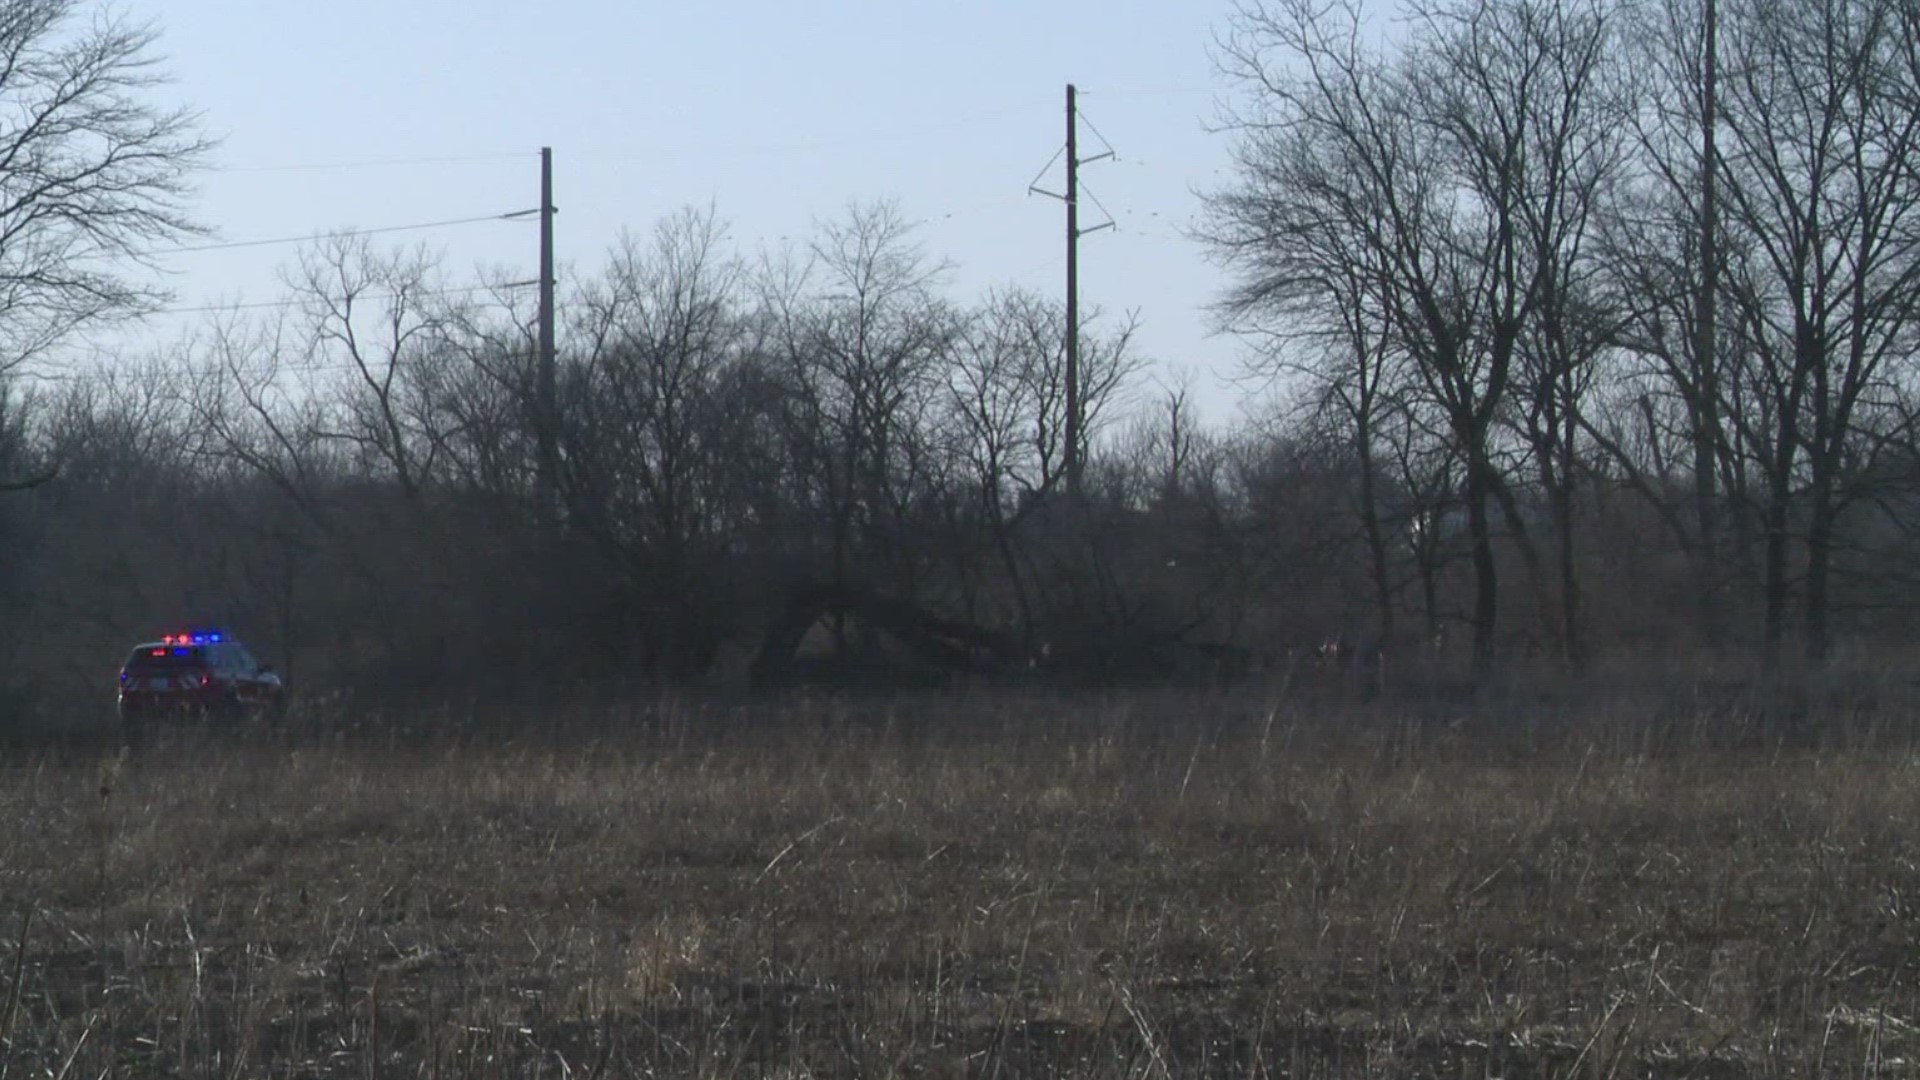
(167, 658)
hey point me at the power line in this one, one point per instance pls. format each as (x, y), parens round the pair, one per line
(369, 163)
(870, 134)
(269, 368)
(1155, 92)
(996, 203)
(297, 301)
(297, 367)
(333, 233)
(874, 133)
(1047, 263)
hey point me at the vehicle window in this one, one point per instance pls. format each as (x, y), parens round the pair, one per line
(167, 658)
(242, 660)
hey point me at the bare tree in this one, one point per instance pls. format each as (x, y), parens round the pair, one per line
(256, 423)
(858, 334)
(254, 410)
(375, 319)
(1006, 402)
(991, 409)
(659, 433)
(1323, 325)
(481, 381)
(1430, 187)
(1656, 248)
(93, 176)
(1822, 186)
(1568, 93)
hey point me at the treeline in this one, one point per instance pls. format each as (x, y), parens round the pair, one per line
(1537, 255)
(354, 482)
(1559, 373)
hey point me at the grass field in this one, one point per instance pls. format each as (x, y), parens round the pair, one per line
(1146, 886)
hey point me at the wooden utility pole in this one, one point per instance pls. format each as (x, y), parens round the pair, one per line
(1072, 431)
(544, 392)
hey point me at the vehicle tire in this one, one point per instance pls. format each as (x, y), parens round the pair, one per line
(225, 713)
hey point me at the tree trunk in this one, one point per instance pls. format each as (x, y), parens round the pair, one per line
(1003, 543)
(1705, 403)
(1571, 647)
(1486, 593)
(1775, 584)
(1376, 540)
(1817, 624)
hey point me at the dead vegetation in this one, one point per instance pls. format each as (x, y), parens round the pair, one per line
(1142, 887)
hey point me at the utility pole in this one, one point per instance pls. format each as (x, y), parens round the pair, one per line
(1073, 430)
(544, 392)
(1072, 461)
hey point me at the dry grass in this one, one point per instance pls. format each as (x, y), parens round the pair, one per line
(1139, 887)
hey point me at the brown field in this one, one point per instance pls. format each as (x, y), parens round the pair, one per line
(1139, 886)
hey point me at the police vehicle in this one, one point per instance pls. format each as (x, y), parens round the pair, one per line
(194, 674)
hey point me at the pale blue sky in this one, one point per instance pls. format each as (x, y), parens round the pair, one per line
(776, 113)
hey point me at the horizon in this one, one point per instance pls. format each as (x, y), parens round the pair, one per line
(776, 119)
